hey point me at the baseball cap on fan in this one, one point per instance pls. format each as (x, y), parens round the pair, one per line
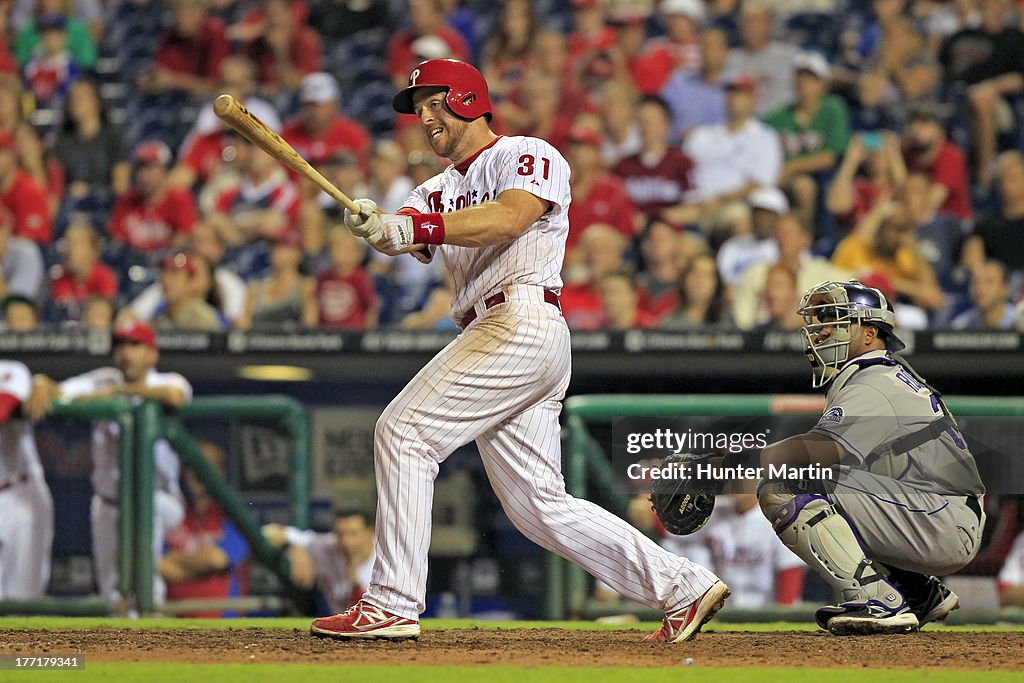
(319, 88)
(770, 199)
(585, 135)
(813, 63)
(743, 82)
(693, 9)
(152, 152)
(179, 260)
(134, 332)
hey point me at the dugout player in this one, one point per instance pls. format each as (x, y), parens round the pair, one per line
(26, 508)
(134, 375)
(498, 215)
(906, 501)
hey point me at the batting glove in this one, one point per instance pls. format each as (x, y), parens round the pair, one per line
(399, 232)
(366, 222)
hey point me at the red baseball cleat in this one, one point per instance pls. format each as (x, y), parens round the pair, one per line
(363, 620)
(684, 623)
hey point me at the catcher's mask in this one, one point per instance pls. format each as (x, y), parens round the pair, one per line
(830, 310)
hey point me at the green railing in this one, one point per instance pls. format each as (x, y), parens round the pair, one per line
(584, 460)
(140, 427)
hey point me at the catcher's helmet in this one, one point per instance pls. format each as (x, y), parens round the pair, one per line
(467, 90)
(837, 305)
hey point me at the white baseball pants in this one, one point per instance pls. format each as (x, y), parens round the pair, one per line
(501, 383)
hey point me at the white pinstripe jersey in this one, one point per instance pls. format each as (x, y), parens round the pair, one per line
(533, 258)
(18, 454)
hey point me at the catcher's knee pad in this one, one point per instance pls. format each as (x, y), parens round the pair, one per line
(810, 525)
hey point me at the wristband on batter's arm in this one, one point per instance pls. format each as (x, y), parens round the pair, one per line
(428, 228)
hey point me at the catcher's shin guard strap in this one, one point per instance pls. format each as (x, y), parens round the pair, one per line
(812, 527)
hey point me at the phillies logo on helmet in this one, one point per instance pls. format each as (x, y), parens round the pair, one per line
(467, 96)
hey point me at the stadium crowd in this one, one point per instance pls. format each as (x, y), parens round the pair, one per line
(725, 156)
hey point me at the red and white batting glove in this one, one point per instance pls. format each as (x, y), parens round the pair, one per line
(399, 232)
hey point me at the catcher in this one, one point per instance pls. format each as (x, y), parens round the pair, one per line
(904, 502)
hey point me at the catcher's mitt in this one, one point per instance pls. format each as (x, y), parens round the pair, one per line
(684, 503)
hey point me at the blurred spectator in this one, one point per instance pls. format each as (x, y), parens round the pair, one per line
(320, 129)
(793, 242)
(869, 41)
(338, 562)
(285, 296)
(1000, 233)
(82, 275)
(540, 116)
(152, 215)
(942, 19)
(620, 304)
(344, 293)
(227, 294)
(286, 50)
(506, 54)
(989, 60)
(20, 314)
(621, 132)
(90, 148)
(602, 251)
(701, 298)
(757, 244)
(597, 196)
(940, 236)
(925, 148)
(872, 169)
(435, 313)
(90, 12)
(990, 308)
(883, 243)
(738, 544)
(319, 210)
(190, 51)
(205, 556)
(50, 72)
(551, 56)
(183, 306)
(698, 99)
(97, 314)
(590, 34)
(659, 176)
(23, 205)
(28, 147)
(8, 65)
(768, 62)
(336, 20)
(628, 20)
(21, 265)
(814, 131)
(656, 284)
(781, 300)
(730, 160)
(389, 186)
(426, 18)
(677, 49)
(48, 16)
(262, 205)
(464, 21)
(237, 77)
(1011, 575)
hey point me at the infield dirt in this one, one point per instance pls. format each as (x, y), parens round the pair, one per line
(975, 651)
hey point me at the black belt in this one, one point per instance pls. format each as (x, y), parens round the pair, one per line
(20, 479)
(974, 505)
(500, 298)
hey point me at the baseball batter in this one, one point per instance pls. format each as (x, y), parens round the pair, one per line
(26, 508)
(135, 376)
(906, 502)
(498, 215)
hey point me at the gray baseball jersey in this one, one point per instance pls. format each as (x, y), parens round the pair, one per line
(874, 402)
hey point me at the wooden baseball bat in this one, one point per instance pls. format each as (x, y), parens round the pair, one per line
(231, 111)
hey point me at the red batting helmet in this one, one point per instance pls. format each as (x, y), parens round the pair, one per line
(467, 90)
